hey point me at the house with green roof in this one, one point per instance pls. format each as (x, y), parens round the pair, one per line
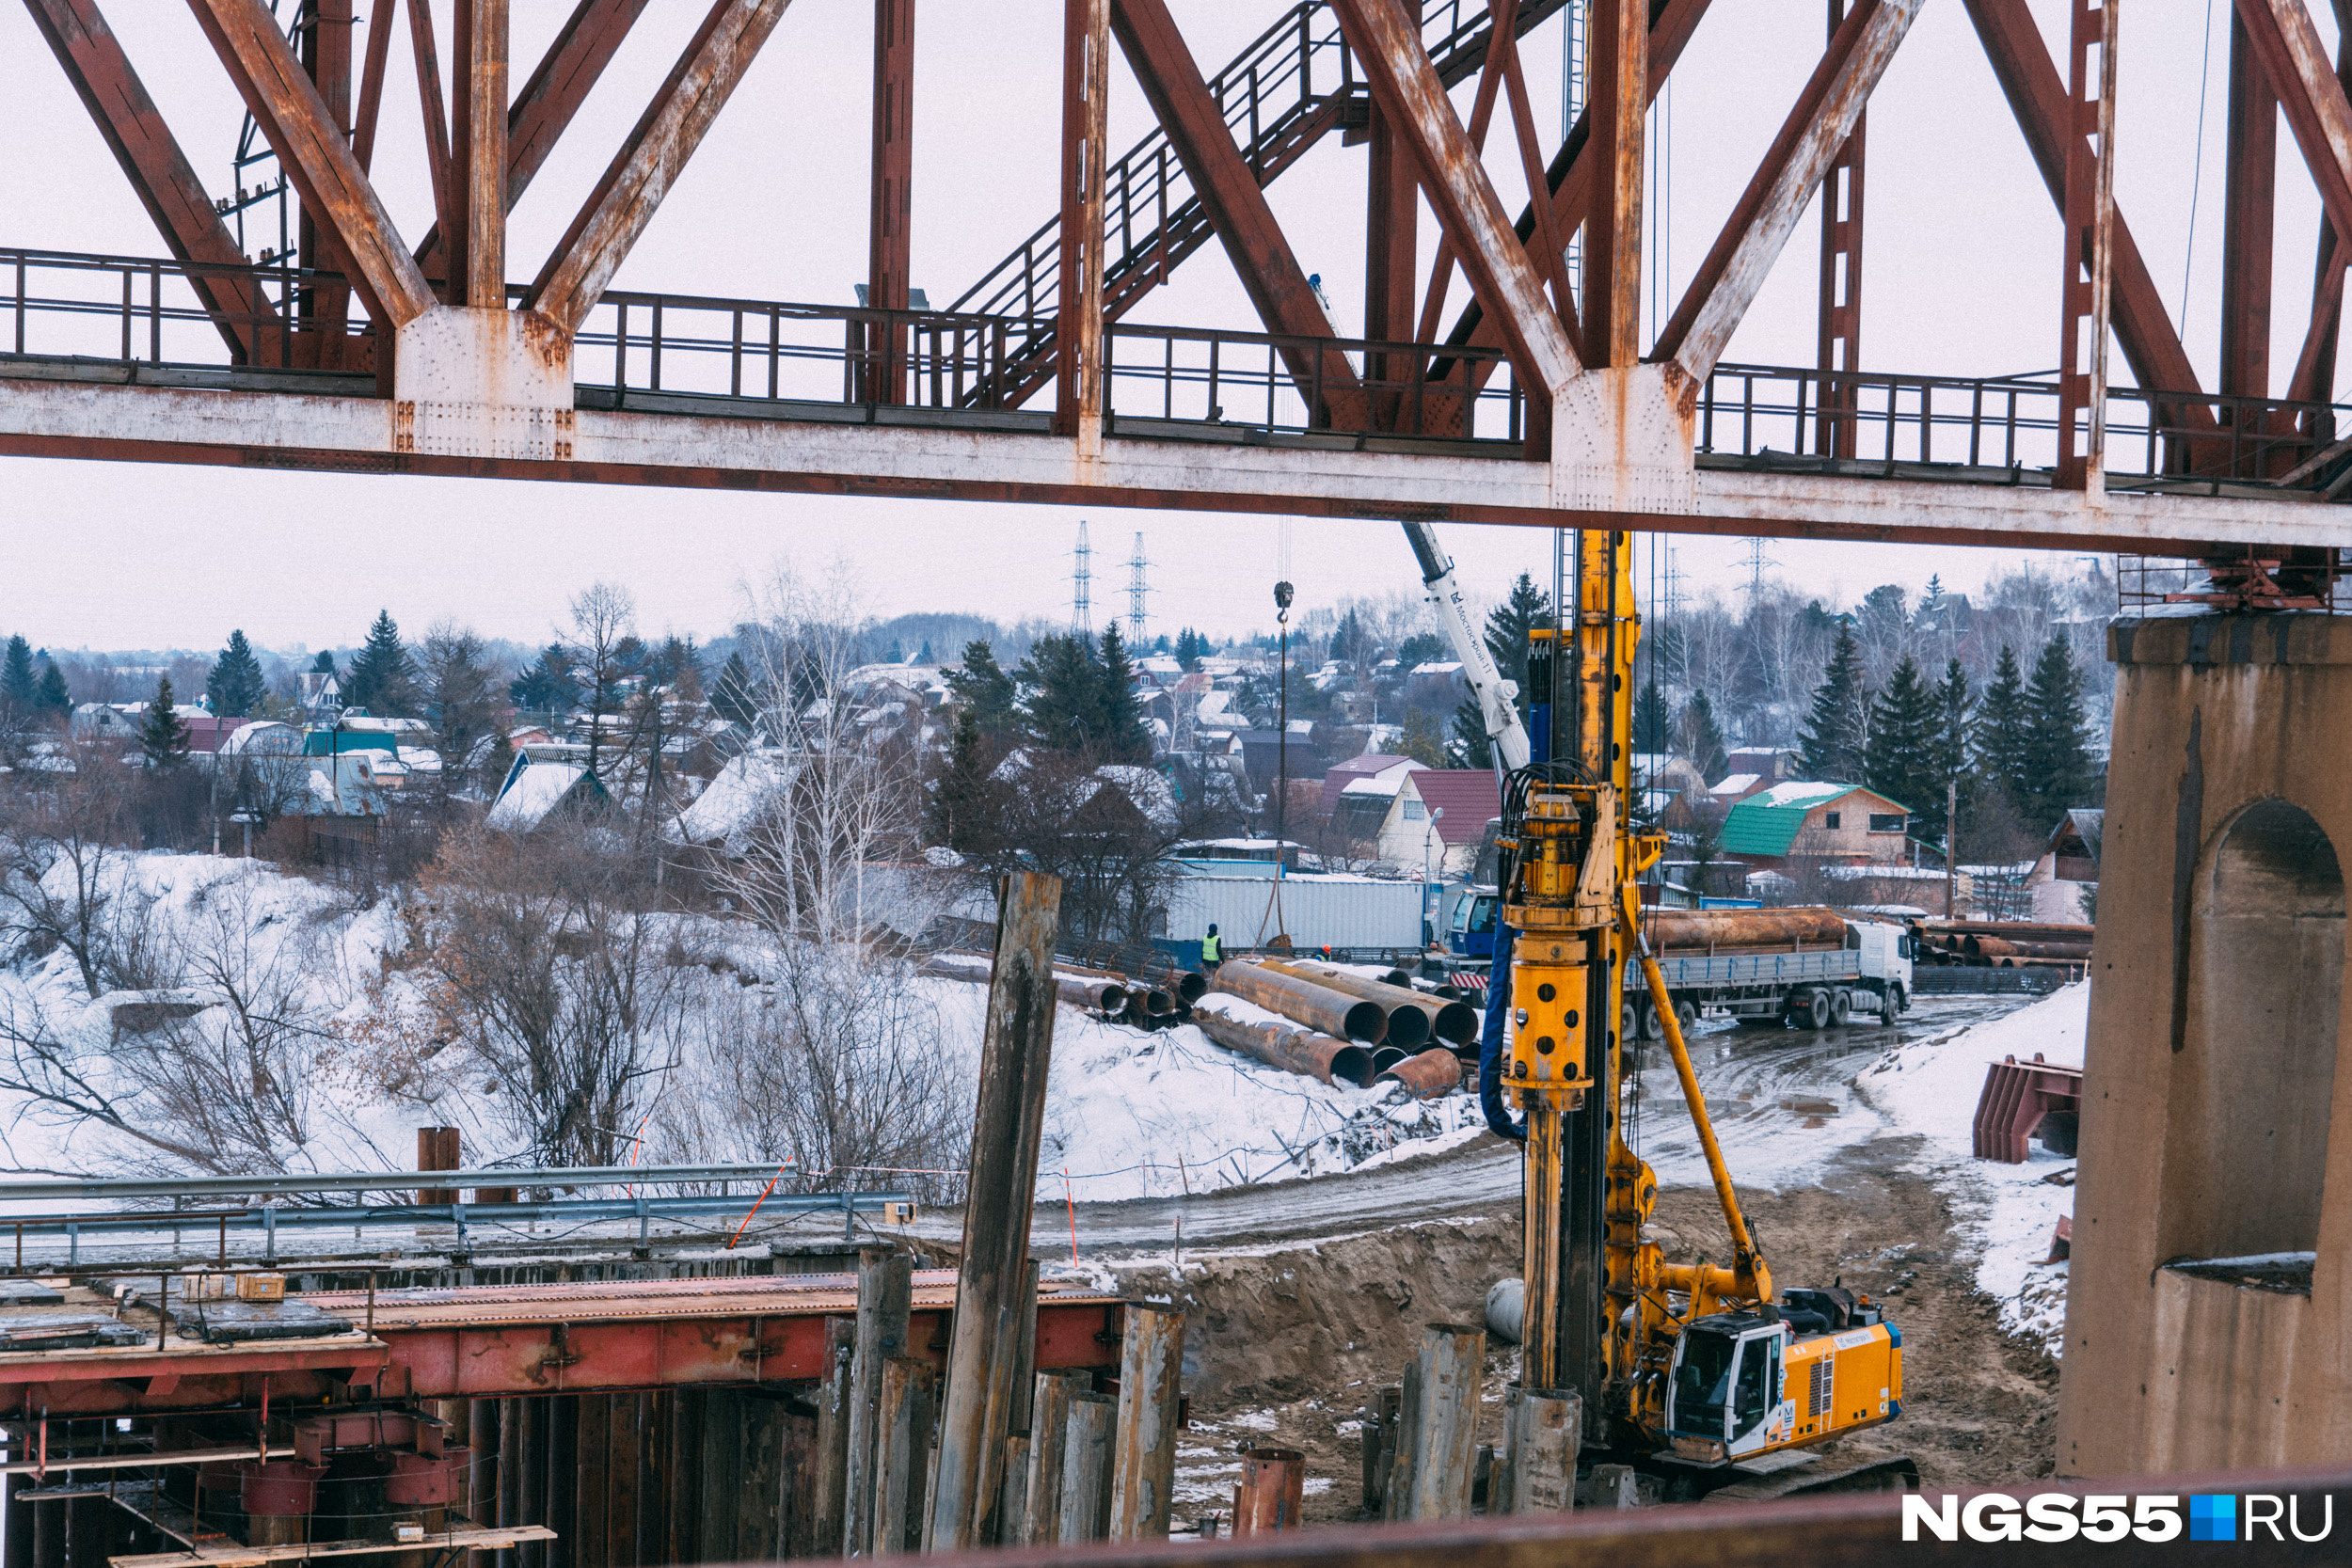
(1840, 824)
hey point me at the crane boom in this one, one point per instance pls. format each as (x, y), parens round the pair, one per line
(1497, 697)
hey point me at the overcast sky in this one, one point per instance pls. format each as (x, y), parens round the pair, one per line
(1961, 277)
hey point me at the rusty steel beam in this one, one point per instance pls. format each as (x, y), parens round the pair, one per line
(1388, 51)
(326, 53)
(1237, 206)
(890, 201)
(287, 107)
(1617, 69)
(2037, 97)
(655, 152)
(1839, 311)
(1482, 116)
(159, 174)
(2089, 247)
(425, 51)
(546, 105)
(371, 110)
(2248, 224)
(2298, 70)
(1727, 282)
(477, 258)
(1551, 245)
(1392, 258)
(1574, 175)
(1078, 385)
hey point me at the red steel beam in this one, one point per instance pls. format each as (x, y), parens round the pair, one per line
(1236, 206)
(159, 174)
(543, 110)
(2249, 221)
(890, 202)
(1839, 348)
(1388, 51)
(477, 260)
(425, 51)
(327, 55)
(286, 106)
(1391, 256)
(371, 82)
(1085, 127)
(512, 1359)
(2088, 248)
(2037, 96)
(650, 161)
(2301, 74)
(1824, 115)
(1617, 73)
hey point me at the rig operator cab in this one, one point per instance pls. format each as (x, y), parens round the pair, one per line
(1745, 1384)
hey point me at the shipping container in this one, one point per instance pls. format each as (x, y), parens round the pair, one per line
(1314, 910)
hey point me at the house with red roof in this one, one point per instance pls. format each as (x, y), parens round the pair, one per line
(1429, 817)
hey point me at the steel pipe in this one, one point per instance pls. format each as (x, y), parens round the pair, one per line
(1447, 1019)
(1435, 1072)
(1271, 1491)
(1387, 1058)
(1672, 930)
(1293, 1050)
(1107, 996)
(1303, 1001)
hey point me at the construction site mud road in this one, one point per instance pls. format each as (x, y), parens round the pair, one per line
(1304, 1296)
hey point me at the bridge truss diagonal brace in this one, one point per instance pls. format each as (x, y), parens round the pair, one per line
(545, 104)
(1236, 205)
(335, 191)
(160, 176)
(649, 162)
(1389, 50)
(1810, 139)
(2037, 97)
(2300, 73)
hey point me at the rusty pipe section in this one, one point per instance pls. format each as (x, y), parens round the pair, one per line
(1272, 1488)
(1318, 1007)
(1445, 1019)
(1107, 996)
(1679, 930)
(1434, 1074)
(1293, 1050)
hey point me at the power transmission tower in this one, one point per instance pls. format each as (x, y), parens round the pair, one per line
(1082, 586)
(1136, 591)
(1758, 561)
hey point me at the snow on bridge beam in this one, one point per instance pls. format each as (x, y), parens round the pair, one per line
(270, 430)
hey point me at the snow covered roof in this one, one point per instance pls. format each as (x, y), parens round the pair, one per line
(1439, 667)
(1382, 785)
(1739, 783)
(533, 792)
(262, 737)
(724, 810)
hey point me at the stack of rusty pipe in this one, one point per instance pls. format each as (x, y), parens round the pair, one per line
(1453, 1021)
(2005, 944)
(1290, 1047)
(1319, 1006)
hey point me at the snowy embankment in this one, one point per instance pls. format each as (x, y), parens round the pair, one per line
(362, 1062)
(1928, 1089)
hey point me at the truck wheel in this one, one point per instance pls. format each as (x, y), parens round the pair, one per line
(1841, 1010)
(1687, 1016)
(1629, 1020)
(1898, 1002)
(1653, 1027)
(1810, 1009)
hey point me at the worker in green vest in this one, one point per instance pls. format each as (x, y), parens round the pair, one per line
(1212, 951)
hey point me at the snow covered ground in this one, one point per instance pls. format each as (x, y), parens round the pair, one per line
(1929, 1087)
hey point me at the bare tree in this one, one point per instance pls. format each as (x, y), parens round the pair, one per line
(463, 700)
(602, 637)
(61, 857)
(545, 954)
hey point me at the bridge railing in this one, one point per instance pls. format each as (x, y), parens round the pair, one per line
(1263, 381)
(1817, 419)
(160, 313)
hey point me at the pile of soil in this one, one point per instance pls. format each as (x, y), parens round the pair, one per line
(1284, 1344)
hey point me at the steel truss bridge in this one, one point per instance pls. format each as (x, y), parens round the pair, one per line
(352, 347)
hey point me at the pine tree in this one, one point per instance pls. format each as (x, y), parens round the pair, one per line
(1420, 648)
(382, 679)
(1899, 760)
(1838, 727)
(1954, 702)
(1421, 740)
(235, 687)
(1125, 737)
(1470, 746)
(1350, 644)
(985, 691)
(964, 799)
(1703, 739)
(924, 656)
(324, 664)
(163, 738)
(54, 700)
(19, 690)
(1190, 646)
(2001, 732)
(731, 696)
(1507, 626)
(549, 686)
(2058, 771)
(1650, 730)
(1061, 684)
(497, 763)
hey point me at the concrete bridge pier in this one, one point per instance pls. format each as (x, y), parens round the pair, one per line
(2209, 1317)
